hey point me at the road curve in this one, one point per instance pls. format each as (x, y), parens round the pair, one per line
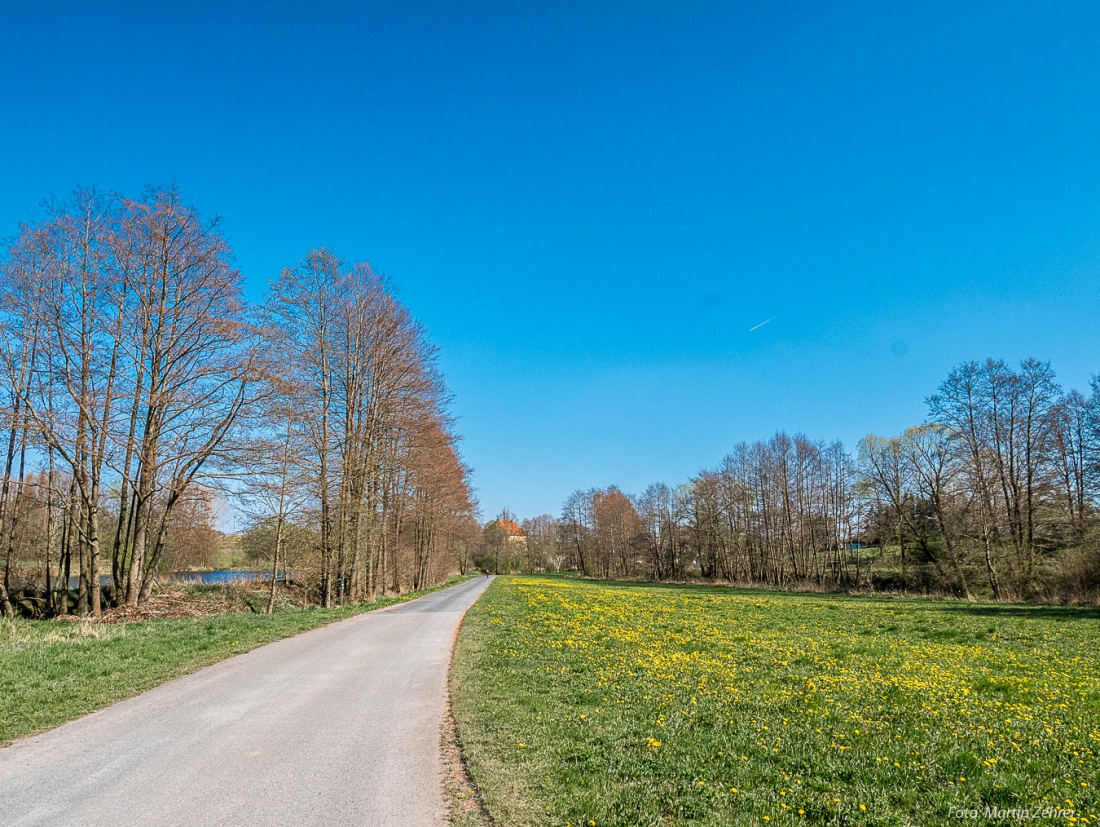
(337, 726)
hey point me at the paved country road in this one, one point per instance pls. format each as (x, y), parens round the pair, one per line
(337, 726)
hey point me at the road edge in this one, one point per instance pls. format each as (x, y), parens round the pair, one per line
(465, 805)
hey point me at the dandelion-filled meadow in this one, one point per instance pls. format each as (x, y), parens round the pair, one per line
(585, 703)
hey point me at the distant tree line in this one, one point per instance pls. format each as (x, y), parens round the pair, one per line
(995, 496)
(137, 386)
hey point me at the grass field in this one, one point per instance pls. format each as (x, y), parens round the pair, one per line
(54, 670)
(592, 703)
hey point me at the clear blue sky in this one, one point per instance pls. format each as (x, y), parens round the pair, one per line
(590, 205)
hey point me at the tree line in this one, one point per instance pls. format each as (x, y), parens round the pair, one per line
(994, 496)
(136, 382)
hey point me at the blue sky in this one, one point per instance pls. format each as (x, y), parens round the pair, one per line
(590, 205)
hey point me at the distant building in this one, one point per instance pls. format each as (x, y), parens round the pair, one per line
(513, 531)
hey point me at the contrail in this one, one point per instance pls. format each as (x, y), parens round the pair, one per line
(751, 329)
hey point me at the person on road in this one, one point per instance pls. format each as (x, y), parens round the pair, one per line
(486, 572)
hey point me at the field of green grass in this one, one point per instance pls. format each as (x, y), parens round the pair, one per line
(595, 704)
(52, 671)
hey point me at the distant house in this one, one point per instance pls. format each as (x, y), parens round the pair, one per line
(513, 531)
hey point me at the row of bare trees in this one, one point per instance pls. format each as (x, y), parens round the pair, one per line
(135, 380)
(995, 496)
(999, 491)
(776, 513)
(361, 448)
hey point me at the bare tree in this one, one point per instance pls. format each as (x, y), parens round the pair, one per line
(390, 494)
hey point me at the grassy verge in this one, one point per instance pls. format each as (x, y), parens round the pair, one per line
(52, 671)
(588, 703)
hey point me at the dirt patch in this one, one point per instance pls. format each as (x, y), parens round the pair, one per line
(463, 799)
(200, 601)
(465, 805)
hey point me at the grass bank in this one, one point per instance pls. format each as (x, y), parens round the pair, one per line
(52, 671)
(594, 703)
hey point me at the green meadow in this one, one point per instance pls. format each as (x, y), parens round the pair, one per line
(598, 704)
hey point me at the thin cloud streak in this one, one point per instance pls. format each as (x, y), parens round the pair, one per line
(757, 327)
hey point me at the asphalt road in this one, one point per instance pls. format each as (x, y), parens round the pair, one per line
(337, 726)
